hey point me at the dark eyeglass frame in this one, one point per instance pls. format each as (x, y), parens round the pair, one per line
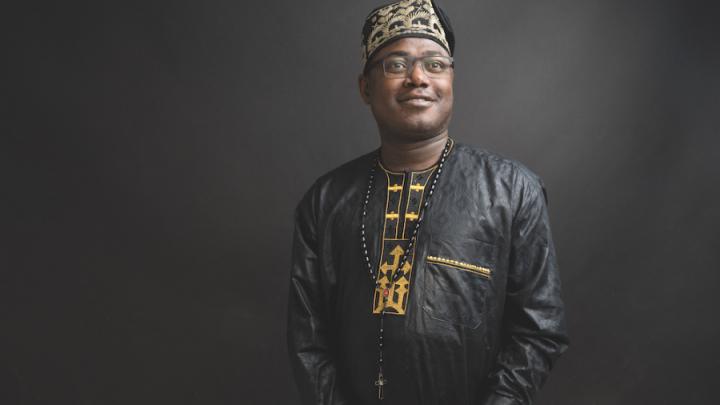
(411, 65)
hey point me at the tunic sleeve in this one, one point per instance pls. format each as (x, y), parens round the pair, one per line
(533, 333)
(309, 345)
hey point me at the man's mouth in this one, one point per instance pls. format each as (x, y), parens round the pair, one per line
(416, 100)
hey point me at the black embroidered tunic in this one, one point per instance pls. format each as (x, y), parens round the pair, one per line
(476, 318)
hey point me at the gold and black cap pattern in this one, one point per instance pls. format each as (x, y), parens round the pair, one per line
(407, 18)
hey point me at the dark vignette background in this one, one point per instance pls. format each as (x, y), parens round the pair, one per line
(152, 155)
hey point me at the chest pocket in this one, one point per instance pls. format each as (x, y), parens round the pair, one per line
(457, 279)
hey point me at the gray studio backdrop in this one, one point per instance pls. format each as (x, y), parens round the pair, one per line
(153, 154)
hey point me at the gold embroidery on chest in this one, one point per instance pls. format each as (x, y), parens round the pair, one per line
(398, 221)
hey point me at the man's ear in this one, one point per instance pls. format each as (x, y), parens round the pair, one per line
(364, 87)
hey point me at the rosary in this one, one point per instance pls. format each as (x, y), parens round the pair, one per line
(375, 276)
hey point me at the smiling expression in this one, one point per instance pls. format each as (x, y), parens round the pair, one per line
(413, 108)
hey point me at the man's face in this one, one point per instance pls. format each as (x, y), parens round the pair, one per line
(412, 108)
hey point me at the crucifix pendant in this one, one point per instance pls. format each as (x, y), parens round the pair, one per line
(380, 383)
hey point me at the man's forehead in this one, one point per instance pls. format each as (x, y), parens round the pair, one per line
(411, 46)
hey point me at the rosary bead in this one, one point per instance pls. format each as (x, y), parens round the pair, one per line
(375, 274)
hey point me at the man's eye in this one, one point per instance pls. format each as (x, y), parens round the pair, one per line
(435, 65)
(395, 65)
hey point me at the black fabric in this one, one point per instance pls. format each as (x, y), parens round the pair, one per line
(465, 338)
(445, 21)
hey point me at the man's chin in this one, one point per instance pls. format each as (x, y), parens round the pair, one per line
(423, 128)
(414, 127)
(419, 132)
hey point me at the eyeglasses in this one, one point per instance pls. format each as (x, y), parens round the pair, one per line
(398, 67)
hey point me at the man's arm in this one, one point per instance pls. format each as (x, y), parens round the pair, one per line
(533, 333)
(309, 347)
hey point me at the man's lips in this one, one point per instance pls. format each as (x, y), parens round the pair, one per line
(416, 100)
(409, 97)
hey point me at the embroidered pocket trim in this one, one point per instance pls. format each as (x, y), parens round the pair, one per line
(483, 271)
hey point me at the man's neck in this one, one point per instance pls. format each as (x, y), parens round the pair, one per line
(412, 156)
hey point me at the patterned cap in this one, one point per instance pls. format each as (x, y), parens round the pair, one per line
(407, 18)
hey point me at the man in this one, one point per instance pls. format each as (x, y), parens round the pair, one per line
(422, 273)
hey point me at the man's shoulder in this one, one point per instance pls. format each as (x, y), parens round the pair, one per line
(494, 163)
(521, 183)
(349, 171)
(336, 182)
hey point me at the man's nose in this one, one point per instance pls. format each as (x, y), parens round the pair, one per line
(416, 75)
